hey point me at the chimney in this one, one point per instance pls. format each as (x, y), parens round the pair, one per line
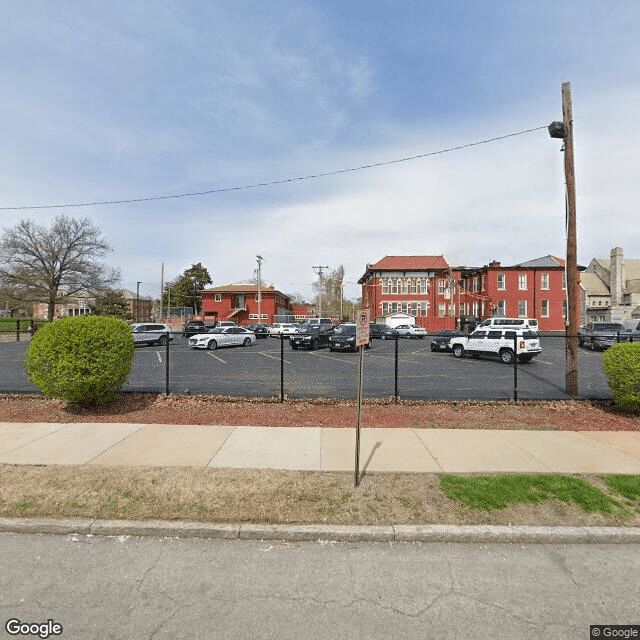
(616, 276)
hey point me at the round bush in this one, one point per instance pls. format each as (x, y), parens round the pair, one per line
(622, 367)
(84, 359)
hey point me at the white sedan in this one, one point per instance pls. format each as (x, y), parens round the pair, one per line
(411, 331)
(223, 337)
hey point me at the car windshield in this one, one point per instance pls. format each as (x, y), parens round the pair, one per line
(346, 328)
(609, 327)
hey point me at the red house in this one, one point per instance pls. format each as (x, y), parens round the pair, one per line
(244, 304)
(442, 297)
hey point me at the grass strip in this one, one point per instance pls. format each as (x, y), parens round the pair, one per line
(499, 492)
(627, 486)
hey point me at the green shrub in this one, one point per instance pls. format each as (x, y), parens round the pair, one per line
(84, 359)
(622, 367)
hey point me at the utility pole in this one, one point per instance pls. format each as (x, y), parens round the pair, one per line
(564, 130)
(319, 270)
(259, 279)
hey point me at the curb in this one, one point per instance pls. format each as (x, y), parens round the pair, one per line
(330, 533)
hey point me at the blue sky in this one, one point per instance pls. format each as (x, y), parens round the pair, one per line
(127, 100)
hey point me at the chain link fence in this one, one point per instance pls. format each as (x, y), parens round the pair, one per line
(403, 369)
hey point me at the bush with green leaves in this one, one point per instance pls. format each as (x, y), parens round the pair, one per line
(86, 359)
(621, 364)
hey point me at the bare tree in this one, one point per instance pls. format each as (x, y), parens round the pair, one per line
(49, 265)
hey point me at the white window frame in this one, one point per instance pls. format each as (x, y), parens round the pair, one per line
(522, 308)
(544, 281)
(217, 297)
(522, 282)
(501, 308)
(502, 282)
(544, 308)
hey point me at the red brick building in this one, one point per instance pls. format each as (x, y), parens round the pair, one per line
(438, 296)
(239, 302)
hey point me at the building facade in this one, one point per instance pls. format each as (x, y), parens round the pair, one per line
(245, 304)
(439, 296)
(611, 289)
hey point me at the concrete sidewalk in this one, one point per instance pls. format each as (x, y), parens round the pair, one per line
(321, 449)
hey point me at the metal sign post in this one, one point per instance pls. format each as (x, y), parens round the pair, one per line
(362, 338)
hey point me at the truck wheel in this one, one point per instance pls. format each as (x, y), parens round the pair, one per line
(458, 351)
(507, 356)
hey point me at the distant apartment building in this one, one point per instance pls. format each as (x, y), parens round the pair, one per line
(435, 295)
(245, 303)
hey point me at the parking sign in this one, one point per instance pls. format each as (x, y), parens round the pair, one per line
(362, 328)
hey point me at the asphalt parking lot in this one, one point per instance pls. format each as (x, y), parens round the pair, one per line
(259, 371)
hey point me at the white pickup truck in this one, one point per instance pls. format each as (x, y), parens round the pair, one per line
(504, 342)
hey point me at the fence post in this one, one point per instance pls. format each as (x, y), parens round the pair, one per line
(166, 389)
(18, 331)
(282, 367)
(515, 368)
(395, 375)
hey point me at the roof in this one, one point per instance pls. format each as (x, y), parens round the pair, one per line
(631, 268)
(546, 262)
(409, 263)
(244, 288)
(593, 285)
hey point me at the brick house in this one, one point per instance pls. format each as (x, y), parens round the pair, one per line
(239, 302)
(533, 289)
(439, 296)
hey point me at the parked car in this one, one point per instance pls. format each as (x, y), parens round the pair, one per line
(498, 342)
(150, 333)
(192, 327)
(223, 337)
(311, 337)
(344, 338)
(440, 341)
(260, 329)
(411, 331)
(280, 328)
(382, 331)
(602, 335)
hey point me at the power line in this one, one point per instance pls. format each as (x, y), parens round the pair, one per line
(275, 182)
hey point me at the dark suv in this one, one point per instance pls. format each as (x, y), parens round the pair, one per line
(193, 327)
(344, 339)
(311, 337)
(382, 331)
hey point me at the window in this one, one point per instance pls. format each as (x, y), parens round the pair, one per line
(502, 282)
(413, 308)
(404, 307)
(424, 309)
(522, 308)
(502, 307)
(405, 286)
(452, 309)
(544, 280)
(544, 308)
(442, 309)
(414, 286)
(385, 308)
(424, 286)
(218, 297)
(522, 281)
(476, 309)
(441, 286)
(394, 307)
(385, 286)
(394, 285)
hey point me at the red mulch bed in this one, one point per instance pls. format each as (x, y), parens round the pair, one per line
(149, 409)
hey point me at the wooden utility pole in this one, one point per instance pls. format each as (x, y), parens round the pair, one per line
(564, 130)
(572, 244)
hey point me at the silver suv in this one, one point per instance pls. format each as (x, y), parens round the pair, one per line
(151, 333)
(505, 343)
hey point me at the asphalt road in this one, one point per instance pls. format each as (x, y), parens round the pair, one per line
(422, 374)
(122, 587)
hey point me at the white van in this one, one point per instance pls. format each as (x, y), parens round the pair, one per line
(516, 323)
